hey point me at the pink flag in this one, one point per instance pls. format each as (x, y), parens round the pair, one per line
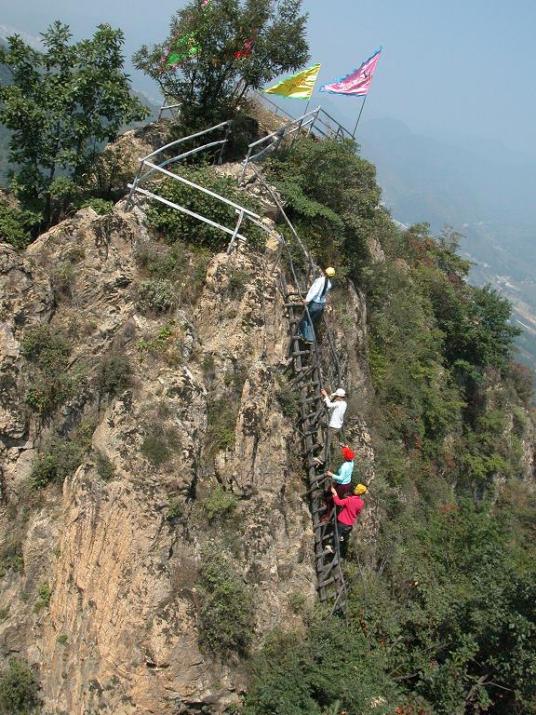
(357, 83)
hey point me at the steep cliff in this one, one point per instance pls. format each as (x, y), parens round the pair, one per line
(189, 451)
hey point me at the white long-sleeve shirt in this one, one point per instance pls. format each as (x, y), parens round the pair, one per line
(337, 415)
(315, 291)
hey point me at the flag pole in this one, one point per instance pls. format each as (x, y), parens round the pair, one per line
(359, 116)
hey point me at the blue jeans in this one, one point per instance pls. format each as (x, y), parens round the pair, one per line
(306, 327)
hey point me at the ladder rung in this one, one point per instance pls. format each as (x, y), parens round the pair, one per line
(326, 583)
(294, 305)
(319, 510)
(312, 398)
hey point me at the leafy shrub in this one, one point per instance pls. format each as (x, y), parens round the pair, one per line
(19, 689)
(100, 206)
(236, 286)
(227, 615)
(288, 401)
(167, 344)
(184, 265)
(303, 675)
(218, 504)
(43, 597)
(11, 558)
(62, 639)
(104, 466)
(332, 199)
(51, 384)
(177, 226)
(159, 444)
(156, 296)
(114, 375)
(16, 225)
(221, 422)
(205, 88)
(62, 456)
(63, 276)
(175, 510)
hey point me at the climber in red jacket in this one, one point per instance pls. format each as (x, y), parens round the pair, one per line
(352, 506)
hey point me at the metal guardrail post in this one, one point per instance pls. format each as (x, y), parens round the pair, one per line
(235, 234)
(134, 184)
(245, 164)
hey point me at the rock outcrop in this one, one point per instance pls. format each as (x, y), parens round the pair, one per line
(103, 581)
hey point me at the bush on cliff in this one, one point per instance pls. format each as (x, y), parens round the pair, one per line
(177, 226)
(19, 689)
(332, 199)
(226, 620)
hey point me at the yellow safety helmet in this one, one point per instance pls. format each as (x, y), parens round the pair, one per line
(360, 489)
(330, 272)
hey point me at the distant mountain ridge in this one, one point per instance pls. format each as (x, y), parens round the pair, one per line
(482, 190)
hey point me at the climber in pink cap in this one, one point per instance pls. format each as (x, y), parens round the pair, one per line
(342, 481)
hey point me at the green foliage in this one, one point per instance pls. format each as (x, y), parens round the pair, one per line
(175, 509)
(449, 623)
(218, 504)
(100, 206)
(206, 85)
(16, 225)
(61, 104)
(522, 379)
(184, 265)
(44, 594)
(114, 375)
(157, 296)
(436, 347)
(159, 444)
(332, 197)
(62, 456)
(226, 620)
(177, 226)
(19, 689)
(104, 466)
(62, 639)
(287, 399)
(11, 558)
(51, 383)
(305, 675)
(438, 618)
(221, 422)
(236, 285)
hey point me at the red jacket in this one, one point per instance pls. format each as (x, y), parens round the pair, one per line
(351, 508)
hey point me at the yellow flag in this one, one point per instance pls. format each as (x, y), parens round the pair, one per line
(299, 86)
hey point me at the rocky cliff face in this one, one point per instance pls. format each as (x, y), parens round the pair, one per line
(181, 405)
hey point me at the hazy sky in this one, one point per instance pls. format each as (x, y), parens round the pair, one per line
(449, 67)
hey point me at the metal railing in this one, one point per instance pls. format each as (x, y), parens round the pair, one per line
(257, 150)
(149, 168)
(173, 109)
(325, 125)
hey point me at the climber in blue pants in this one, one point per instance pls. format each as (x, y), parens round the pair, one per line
(315, 302)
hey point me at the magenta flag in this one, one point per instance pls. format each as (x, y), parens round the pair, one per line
(357, 83)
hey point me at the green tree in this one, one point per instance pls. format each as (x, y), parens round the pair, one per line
(18, 689)
(61, 105)
(209, 84)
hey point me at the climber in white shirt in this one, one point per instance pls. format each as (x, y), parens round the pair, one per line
(337, 405)
(315, 301)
